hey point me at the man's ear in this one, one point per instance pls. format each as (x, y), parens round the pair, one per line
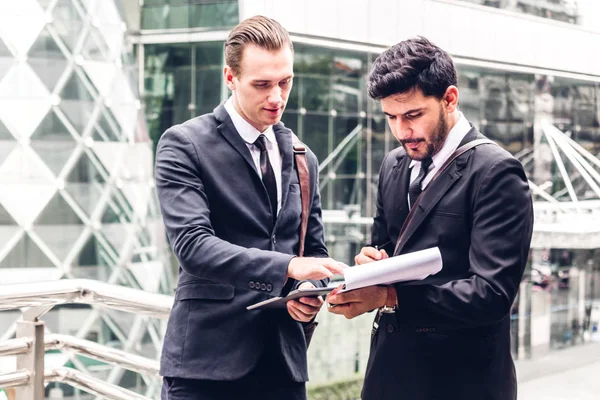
(450, 100)
(228, 75)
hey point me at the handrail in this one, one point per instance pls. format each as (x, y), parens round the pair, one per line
(17, 378)
(86, 291)
(15, 346)
(91, 385)
(90, 349)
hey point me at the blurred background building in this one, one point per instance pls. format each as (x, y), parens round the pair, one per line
(88, 86)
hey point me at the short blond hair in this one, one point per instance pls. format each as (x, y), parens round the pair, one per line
(260, 31)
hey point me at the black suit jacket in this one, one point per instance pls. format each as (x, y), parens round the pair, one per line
(218, 220)
(450, 337)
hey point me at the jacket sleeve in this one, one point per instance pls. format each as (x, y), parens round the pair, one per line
(186, 214)
(502, 224)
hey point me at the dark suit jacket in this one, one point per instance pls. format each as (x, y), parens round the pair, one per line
(450, 337)
(219, 224)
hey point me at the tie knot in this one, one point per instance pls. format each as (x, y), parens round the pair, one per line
(261, 143)
(425, 163)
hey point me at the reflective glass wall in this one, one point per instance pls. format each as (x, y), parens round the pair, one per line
(558, 10)
(329, 109)
(185, 14)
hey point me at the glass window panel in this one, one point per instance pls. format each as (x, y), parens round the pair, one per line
(117, 210)
(208, 89)
(312, 60)
(221, 14)
(47, 60)
(558, 10)
(5, 134)
(575, 111)
(52, 129)
(85, 184)
(6, 147)
(347, 95)
(57, 212)
(347, 160)
(107, 127)
(26, 254)
(511, 136)
(23, 165)
(209, 72)
(115, 234)
(95, 47)
(378, 142)
(315, 94)
(290, 120)
(6, 59)
(54, 154)
(315, 133)
(67, 22)
(77, 103)
(293, 99)
(59, 238)
(6, 218)
(166, 17)
(167, 86)
(92, 262)
(345, 191)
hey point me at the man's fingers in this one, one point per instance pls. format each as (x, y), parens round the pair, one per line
(312, 301)
(384, 254)
(367, 255)
(303, 308)
(334, 266)
(297, 312)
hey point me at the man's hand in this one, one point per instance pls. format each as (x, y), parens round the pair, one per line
(369, 254)
(305, 268)
(357, 302)
(305, 308)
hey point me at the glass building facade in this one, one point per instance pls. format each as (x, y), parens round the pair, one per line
(558, 10)
(77, 197)
(329, 109)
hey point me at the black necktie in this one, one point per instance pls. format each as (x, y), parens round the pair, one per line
(268, 176)
(414, 190)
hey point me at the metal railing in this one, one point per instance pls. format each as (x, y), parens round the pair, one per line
(36, 299)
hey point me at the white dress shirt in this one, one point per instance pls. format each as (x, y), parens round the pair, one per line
(455, 136)
(250, 134)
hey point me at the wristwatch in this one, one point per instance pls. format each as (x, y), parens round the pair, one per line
(389, 309)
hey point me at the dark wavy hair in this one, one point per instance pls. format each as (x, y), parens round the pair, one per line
(412, 64)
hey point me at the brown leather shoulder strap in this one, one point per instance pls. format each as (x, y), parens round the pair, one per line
(460, 151)
(304, 179)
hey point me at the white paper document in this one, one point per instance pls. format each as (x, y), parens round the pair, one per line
(406, 267)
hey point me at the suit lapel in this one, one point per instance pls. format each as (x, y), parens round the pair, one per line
(437, 189)
(227, 129)
(284, 140)
(400, 178)
(431, 196)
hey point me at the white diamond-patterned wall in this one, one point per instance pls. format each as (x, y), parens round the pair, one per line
(77, 198)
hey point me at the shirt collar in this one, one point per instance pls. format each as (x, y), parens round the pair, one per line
(455, 136)
(245, 130)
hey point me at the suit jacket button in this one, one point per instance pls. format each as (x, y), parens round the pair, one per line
(251, 284)
(269, 287)
(390, 328)
(263, 286)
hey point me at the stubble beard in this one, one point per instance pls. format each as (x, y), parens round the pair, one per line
(434, 144)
